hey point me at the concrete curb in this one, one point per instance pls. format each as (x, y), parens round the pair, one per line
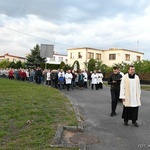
(58, 137)
(59, 133)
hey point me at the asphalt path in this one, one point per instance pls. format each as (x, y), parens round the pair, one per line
(95, 107)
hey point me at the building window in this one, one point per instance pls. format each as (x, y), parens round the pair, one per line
(8, 59)
(60, 59)
(79, 55)
(90, 55)
(98, 56)
(52, 59)
(112, 56)
(71, 55)
(138, 58)
(127, 57)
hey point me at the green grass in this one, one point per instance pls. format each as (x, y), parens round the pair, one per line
(30, 115)
(145, 87)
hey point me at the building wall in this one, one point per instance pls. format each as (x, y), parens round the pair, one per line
(106, 56)
(73, 55)
(121, 56)
(57, 59)
(12, 58)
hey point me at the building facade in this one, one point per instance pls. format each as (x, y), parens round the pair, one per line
(12, 58)
(108, 57)
(57, 59)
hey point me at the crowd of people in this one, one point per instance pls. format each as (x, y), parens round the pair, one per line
(57, 78)
(125, 88)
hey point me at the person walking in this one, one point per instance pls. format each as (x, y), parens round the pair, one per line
(100, 79)
(114, 82)
(81, 80)
(94, 77)
(61, 80)
(85, 78)
(68, 78)
(130, 93)
(48, 78)
(89, 77)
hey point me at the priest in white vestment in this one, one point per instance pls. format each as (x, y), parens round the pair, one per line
(130, 93)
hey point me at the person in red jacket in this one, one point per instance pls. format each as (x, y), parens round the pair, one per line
(11, 74)
(20, 74)
(23, 75)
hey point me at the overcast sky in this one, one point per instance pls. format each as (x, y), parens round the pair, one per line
(99, 24)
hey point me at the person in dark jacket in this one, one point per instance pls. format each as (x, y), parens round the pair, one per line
(114, 82)
(80, 80)
(39, 75)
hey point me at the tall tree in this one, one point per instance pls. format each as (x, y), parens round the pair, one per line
(91, 64)
(34, 59)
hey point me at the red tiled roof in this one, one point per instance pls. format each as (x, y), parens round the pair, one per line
(12, 56)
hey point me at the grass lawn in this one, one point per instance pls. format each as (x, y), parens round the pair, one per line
(30, 114)
(143, 87)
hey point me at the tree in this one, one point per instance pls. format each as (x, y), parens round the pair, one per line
(91, 65)
(18, 65)
(62, 65)
(98, 65)
(86, 65)
(67, 67)
(4, 63)
(12, 65)
(34, 59)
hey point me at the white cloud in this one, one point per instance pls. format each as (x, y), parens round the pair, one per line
(80, 26)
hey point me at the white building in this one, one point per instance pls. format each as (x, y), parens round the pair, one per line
(12, 58)
(57, 59)
(108, 57)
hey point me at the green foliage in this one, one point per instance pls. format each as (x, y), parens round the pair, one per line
(98, 65)
(23, 65)
(67, 67)
(34, 58)
(104, 68)
(62, 65)
(4, 63)
(7, 64)
(86, 65)
(12, 65)
(91, 64)
(18, 65)
(142, 66)
(49, 66)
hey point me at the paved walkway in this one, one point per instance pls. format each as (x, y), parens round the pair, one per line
(94, 106)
